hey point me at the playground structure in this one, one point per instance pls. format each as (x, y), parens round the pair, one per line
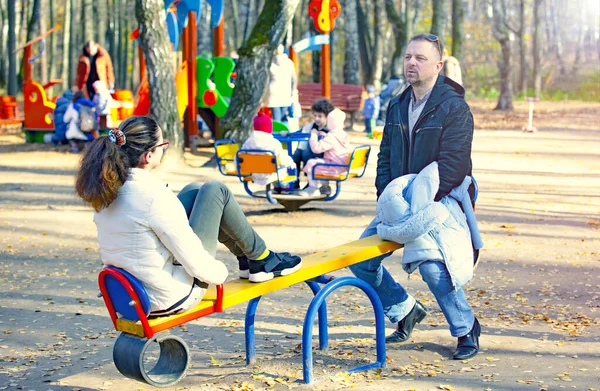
(242, 163)
(129, 308)
(346, 97)
(181, 23)
(193, 78)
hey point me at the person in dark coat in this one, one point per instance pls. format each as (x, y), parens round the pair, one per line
(430, 121)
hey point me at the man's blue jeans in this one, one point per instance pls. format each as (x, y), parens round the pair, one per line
(397, 303)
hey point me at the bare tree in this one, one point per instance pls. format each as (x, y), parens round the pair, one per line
(74, 46)
(457, 28)
(398, 20)
(256, 55)
(12, 46)
(236, 23)
(501, 34)
(3, 40)
(66, 44)
(364, 42)
(438, 21)
(522, 49)
(351, 34)
(538, 9)
(558, 36)
(378, 42)
(580, 41)
(161, 75)
(250, 7)
(204, 33)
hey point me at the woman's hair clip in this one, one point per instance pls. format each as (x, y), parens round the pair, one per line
(117, 137)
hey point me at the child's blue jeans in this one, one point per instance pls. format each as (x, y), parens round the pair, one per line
(369, 125)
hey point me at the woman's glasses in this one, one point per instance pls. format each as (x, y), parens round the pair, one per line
(164, 145)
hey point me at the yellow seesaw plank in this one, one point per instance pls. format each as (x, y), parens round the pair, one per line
(240, 291)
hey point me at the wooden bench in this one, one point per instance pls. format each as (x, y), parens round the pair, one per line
(139, 333)
(346, 97)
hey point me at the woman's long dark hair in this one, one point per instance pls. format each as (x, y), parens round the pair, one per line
(104, 166)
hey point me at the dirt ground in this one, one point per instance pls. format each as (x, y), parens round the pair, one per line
(536, 293)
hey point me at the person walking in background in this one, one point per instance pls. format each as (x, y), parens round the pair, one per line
(371, 110)
(429, 122)
(94, 64)
(282, 85)
(451, 68)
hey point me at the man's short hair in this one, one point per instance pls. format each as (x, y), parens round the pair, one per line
(432, 39)
(322, 106)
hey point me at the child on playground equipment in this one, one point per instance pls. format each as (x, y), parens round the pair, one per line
(104, 102)
(167, 241)
(81, 117)
(320, 109)
(371, 110)
(262, 138)
(335, 149)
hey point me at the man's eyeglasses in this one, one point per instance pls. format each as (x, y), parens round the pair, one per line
(434, 38)
(164, 145)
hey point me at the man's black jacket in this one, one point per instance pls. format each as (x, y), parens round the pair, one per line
(443, 133)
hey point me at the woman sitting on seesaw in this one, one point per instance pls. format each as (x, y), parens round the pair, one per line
(166, 241)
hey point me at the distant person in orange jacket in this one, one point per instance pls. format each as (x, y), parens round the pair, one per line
(94, 64)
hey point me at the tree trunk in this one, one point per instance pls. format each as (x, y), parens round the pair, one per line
(87, 19)
(378, 20)
(12, 46)
(417, 9)
(110, 28)
(250, 6)
(150, 15)
(580, 41)
(400, 36)
(33, 28)
(256, 55)
(43, 61)
(364, 43)
(204, 32)
(502, 36)
(438, 21)
(53, 43)
(100, 21)
(457, 28)
(351, 50)
(124, 56)
(236, 23)
(556, 27)
(3, 39)
(65, 64)
(522, 49)
(73, 42)
(23, 20)
(538, 9)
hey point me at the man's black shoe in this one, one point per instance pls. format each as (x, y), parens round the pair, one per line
(407, 324)
(274, 265)
(468, 345)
